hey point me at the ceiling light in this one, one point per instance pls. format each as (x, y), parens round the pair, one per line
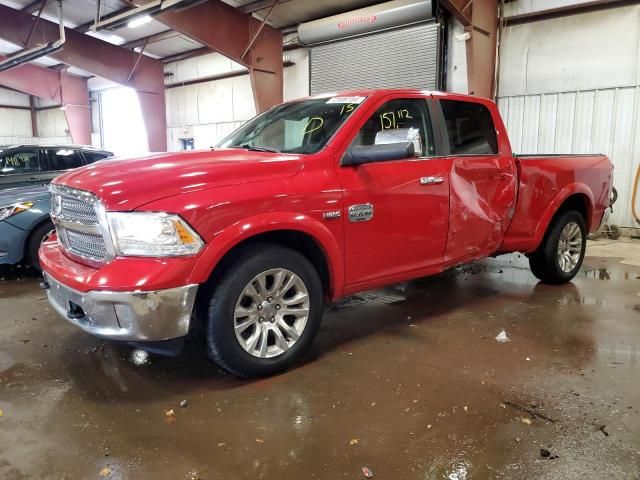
(136, 22)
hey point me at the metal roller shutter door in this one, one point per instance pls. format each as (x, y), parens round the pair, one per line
(401, 58)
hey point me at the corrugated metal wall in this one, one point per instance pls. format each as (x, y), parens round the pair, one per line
(592, 121)
(572, 85)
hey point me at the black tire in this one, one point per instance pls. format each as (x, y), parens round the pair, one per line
(544, 261)
(35, 239)
(222, 345)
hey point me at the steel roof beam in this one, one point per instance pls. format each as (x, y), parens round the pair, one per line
(67, 90)
(230, 32)
(144, 74)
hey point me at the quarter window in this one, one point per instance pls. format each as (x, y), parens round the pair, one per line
(470, 128)
(397, 121)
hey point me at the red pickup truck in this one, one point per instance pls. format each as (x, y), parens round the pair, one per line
(310, 201)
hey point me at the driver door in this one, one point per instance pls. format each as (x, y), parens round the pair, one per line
(396, 212)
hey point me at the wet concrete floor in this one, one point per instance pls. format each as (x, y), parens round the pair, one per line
(408, 382)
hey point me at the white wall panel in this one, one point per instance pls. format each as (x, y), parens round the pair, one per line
(520, 7)
(11, 97)
(296, 77)
(52, 123)
(572, 85)
(208, 111)
(602, 121)
(581, 52)
(15, 122)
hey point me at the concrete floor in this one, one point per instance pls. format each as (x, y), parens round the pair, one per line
(409, 382)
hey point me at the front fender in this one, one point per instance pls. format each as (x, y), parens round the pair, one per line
(249, 227)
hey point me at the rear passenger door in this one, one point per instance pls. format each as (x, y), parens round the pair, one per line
(63, 158)
(483, 181)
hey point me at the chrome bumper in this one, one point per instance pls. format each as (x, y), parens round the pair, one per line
(128, 316)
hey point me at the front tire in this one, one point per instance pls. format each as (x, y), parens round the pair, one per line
(264, 312)
(39, 235)
(559, 257)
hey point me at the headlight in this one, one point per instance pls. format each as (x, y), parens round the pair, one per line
(11, 210)
(143, 234)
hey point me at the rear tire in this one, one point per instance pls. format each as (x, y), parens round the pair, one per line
(263, 297)
(559, 257)
(35, 240)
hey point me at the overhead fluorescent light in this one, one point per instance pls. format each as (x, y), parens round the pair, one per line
(136, 22)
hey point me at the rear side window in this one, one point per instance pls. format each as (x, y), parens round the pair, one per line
(14, 163)
(64, 158)
(470, 128)
(91, 156)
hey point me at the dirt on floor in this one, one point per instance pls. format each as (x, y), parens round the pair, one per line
(407, 382)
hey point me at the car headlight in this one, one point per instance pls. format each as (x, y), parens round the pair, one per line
(11, 210)
(144, 234)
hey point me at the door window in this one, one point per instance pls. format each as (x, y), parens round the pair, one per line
(398, 121)
(470, 128)
(14, 163)
(64, 158)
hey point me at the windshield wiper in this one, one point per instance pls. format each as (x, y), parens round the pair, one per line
(255, 148)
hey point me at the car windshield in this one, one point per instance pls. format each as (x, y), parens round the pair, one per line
(295, 127)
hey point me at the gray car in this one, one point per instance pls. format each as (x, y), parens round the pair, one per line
(24, 197)
(39, 164)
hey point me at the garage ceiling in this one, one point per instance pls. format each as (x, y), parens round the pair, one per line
(161, 42)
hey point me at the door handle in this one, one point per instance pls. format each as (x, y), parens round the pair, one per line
(431, 180)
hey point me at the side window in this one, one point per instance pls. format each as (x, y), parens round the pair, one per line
(13, 163)
(64, 158)
(91, 156)
(403, 120)
(470, 128)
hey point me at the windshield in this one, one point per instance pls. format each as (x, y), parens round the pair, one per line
(296, 127)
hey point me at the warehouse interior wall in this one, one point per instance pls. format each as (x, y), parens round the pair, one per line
(578, 92)
(456, 61)
(15, 123)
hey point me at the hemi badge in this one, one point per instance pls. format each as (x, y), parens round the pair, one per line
(332, 215)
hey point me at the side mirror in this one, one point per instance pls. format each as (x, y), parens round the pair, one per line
(378, 153)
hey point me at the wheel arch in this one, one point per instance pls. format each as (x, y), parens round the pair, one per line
(32, 230)
(298, 232)
(573, 197)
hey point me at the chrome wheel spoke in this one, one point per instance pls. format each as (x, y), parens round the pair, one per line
(288, 329)
(287, 286)
(281, 342)
(243, 325)
(296, 299)
(263, 342)
(570, 246)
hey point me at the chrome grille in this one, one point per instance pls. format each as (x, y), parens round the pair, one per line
(78, 211)
(86, 244)
(80, 222)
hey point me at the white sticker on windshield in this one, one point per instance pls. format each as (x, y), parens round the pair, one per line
(356, 100)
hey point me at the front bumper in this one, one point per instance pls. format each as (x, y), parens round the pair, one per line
(12, 241)
(135, 316)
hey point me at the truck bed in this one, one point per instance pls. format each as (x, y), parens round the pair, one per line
(544, 183)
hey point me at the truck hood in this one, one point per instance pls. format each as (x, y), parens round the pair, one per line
(126, 184)
(29, 193)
